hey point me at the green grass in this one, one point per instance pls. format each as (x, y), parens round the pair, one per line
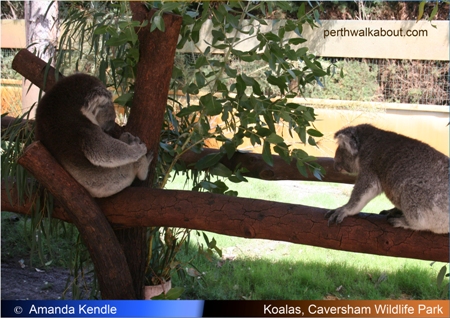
(38, 248)
(264, 269)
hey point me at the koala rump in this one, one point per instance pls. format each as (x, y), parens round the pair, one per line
(413, 175)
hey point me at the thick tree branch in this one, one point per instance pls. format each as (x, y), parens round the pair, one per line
(35, 70)
(258, 168)
(110, 263)
(364, 233)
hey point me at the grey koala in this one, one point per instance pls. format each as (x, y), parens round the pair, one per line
(413, 175)
(73, 120)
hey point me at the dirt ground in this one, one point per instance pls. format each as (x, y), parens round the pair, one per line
(30, 283)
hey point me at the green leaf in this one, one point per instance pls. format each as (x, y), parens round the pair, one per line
(229, 148)
(220, 170)
(274, 139)
(217, 36)
(173, 294)
(255, 140)
(170, 6)
(167, 147)
(159, 21)
(311, 141)
(441, 275)
(188, 110)
(296, 41)
(211, 104)
(267, 154)
(230, 71)
(121, 39)
(434, 12)
(208, 161)
(314, 133)
(192, 89)
(124, 99)
(201, 61)
(200, 79)
(301, 168)
(421, 8)
(301, 11)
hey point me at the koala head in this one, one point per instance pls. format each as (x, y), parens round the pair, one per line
(346, 157)
(99, 109)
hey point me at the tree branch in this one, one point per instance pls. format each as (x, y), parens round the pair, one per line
(364, 233)
(109, 260)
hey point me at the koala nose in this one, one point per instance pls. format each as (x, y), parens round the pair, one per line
(109, 125)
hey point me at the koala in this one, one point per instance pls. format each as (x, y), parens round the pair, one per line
(73, 120)
(413, 175)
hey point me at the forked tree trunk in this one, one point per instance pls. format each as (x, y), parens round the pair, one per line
(154, 71)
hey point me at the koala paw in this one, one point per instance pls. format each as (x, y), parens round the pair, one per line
(335, 216)
(130, 139)
(138, 146)
(398, 222)
(392, 213)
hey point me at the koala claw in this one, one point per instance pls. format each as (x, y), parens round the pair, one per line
(392, 213)
(333, 217)
(130, 139)
(149, 156)
(398, 222)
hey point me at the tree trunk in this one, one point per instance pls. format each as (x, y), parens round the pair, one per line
(154, 71)
(41, 28)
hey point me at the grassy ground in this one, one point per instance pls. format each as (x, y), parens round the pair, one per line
(264, 269)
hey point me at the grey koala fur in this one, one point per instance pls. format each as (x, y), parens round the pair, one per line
(73, 120)
(413, 175)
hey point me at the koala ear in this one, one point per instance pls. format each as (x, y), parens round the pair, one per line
(348, 140)
(97, 97)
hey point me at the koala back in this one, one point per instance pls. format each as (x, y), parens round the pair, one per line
(76, 106)
(413, 175)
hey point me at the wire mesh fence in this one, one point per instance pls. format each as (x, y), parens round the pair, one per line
(402, 81)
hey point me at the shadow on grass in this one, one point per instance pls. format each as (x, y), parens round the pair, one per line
(266, 279)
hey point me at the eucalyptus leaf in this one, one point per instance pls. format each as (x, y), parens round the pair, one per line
(208, 161)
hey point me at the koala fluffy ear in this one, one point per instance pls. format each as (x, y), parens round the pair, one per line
(348, 140)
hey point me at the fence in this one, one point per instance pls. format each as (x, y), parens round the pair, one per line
(379, 75)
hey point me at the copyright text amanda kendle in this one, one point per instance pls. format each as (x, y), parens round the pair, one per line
(374, 32)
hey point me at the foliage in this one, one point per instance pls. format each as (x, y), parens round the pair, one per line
(6, 57)
(358, 81)
(101, 39)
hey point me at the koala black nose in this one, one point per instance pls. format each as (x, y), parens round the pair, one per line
(109, 126)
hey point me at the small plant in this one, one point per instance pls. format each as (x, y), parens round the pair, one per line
(442, 286)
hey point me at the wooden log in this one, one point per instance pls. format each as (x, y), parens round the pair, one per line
(110, 264)
(258, 168)
(364, 233)
(37, 71)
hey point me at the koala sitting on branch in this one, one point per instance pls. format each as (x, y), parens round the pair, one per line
(413, 175)
(73, 120)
